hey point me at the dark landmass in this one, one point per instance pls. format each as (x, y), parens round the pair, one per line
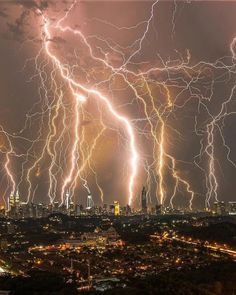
(215, 279)
(224, 233)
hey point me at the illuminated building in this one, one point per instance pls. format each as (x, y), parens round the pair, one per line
(67, 199)
(116, 208)
(17, 198)
(220, 208)
(99, 238)
(14, 204)
(14, 199)
(90, 202)
(144, 201)
(11, 200)
(232, 208)
(71, 209)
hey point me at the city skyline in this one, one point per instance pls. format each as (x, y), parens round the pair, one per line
(95, 104)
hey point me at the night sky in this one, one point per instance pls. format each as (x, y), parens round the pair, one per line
(188, 44)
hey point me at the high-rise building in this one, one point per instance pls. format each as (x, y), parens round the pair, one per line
(220, 208)
(71, 209)
(144, 201)
(14, 200)
(232, 208)
(11, 200)
(116, 208)
(68, 200)
(90, 202)
(17, 198)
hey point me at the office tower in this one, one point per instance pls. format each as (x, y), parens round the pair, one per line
(90, 202)
(220, 208)
(116, 208)
(17, 198)
(11, 201)
(67, 201)
(14, 201)
(144, 201)
(232, 208)
(71, 209)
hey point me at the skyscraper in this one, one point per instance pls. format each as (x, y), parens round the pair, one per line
(67, 200)
(14, 200)
(71, 209)
(11, 201)
(17, 198)
(144, 200)
(90, 202)
(117, 208)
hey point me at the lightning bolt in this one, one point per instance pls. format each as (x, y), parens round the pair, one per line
(61, 139)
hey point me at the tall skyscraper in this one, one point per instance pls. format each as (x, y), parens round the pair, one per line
(144, 200)
(117, 208)
(68, 199)
(17, 198)
(14, 200)
(71, 209)
(11, 201)
(90, 202)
